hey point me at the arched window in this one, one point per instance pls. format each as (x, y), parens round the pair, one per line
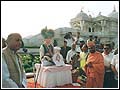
(93, 29)
(89, 29)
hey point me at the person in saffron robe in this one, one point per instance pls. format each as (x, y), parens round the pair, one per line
(94, 67)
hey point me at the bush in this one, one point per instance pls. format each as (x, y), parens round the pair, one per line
(29, 61)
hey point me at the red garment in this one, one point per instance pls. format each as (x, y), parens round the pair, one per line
(95, 74)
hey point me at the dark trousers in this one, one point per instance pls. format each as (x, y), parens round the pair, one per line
(108, 80)
(115, 83)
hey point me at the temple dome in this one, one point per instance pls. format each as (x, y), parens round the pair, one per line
(82, 16)
(113, 14)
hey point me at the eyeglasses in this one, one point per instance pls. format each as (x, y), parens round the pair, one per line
(91, 47)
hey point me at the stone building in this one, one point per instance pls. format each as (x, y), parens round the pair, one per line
(105, 27)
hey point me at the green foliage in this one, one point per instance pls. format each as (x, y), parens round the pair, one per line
(29, 61)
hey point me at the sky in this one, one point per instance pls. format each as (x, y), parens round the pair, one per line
(29, 17)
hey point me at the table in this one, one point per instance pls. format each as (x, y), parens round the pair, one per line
(52, 76)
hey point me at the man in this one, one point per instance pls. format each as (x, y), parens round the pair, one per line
(96, 40)
(79, 42)
(64, 50)
(108, 77)
(13, 75)
(83, 56)
(90, 38)
(71, 53)
(94, 67)
(114, 67)
(46, 49)
(69, 38)
(82, 61)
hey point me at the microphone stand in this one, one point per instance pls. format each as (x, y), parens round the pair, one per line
(33, 64)
(35, 76)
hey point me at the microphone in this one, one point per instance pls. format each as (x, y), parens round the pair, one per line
(25, 50)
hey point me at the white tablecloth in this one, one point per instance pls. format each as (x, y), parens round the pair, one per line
(51, 76)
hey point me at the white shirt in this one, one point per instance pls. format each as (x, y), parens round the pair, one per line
(69, 42)
(78, 46)
(107, 59)
(69, 55)
(114, 61)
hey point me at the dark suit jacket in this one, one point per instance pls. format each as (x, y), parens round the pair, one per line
(64, 51)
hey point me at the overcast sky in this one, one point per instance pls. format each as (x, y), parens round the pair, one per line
(29, 17)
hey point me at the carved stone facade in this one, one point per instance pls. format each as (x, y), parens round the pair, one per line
(105, 27)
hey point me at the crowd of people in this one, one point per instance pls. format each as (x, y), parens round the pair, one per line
(97, 61)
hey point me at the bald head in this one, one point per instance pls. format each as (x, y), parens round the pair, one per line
(90, 43)
(91, 46)
(12, 35)
(14, 41)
